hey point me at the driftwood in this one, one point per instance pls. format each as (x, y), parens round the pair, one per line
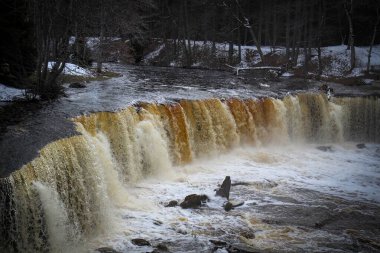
(237, 69)
(224, 190)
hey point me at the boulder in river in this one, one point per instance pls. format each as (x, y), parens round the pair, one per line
(228, 206)
(325, 148)
(172, 203)
(140, 242)
(194, 201)
(218, 243)
(106, 250)
(360, 145)
(77, 85)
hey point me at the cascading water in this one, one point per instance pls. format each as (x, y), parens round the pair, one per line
(70, 192)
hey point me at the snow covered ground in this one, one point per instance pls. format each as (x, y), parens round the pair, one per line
(9, 93)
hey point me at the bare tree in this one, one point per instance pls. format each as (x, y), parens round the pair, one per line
(249, 26)
(52, 22)
(349, 9)
(376, 24)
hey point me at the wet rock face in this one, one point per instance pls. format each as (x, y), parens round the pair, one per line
(7, 216)
(194, 201)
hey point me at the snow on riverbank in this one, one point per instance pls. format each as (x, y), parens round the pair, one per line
(9, 93)
(336, 59)
(74, 70)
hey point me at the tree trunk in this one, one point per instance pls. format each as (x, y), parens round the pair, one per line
(274, 27)
(251, 31)
(373, 40)
(319, 35)
(351, 34)
(99, 59)
(287, 32)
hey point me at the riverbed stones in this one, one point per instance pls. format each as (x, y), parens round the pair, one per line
(194, 201)
(140, 242)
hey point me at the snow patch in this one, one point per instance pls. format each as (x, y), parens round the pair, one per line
(74, 70)
(9, 93)
(154, 54)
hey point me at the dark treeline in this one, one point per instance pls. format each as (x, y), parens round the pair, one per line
(36, 32)
(275, 22)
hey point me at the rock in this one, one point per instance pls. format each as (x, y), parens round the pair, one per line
(157, 222)
(325, 148)
(323, 87)
(161, 247)
(140, 242)
(248, 235)
(107, 250)
(194, 201)
(172, 203)
(77, 85)
(218, 243)
(240, 249)
(228, 206)
(361, 146)
(224, 190)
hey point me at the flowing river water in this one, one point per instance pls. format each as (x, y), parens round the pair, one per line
(95, 169)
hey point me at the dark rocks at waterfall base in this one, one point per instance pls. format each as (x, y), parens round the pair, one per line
(140, 242)
(194, 201)
(157, 222)
(106, 250)
(228, 206)
(230, 248)
(240, 249)
(172, 203)
(161, 247)
(224, 190)
(218, 243)
(77, 85)
(325, 148)
(361, 146)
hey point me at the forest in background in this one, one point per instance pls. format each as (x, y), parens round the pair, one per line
(35, 33)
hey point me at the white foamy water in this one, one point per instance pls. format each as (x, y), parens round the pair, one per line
(290, 175)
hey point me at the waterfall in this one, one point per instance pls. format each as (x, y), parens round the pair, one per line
(70, 192)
